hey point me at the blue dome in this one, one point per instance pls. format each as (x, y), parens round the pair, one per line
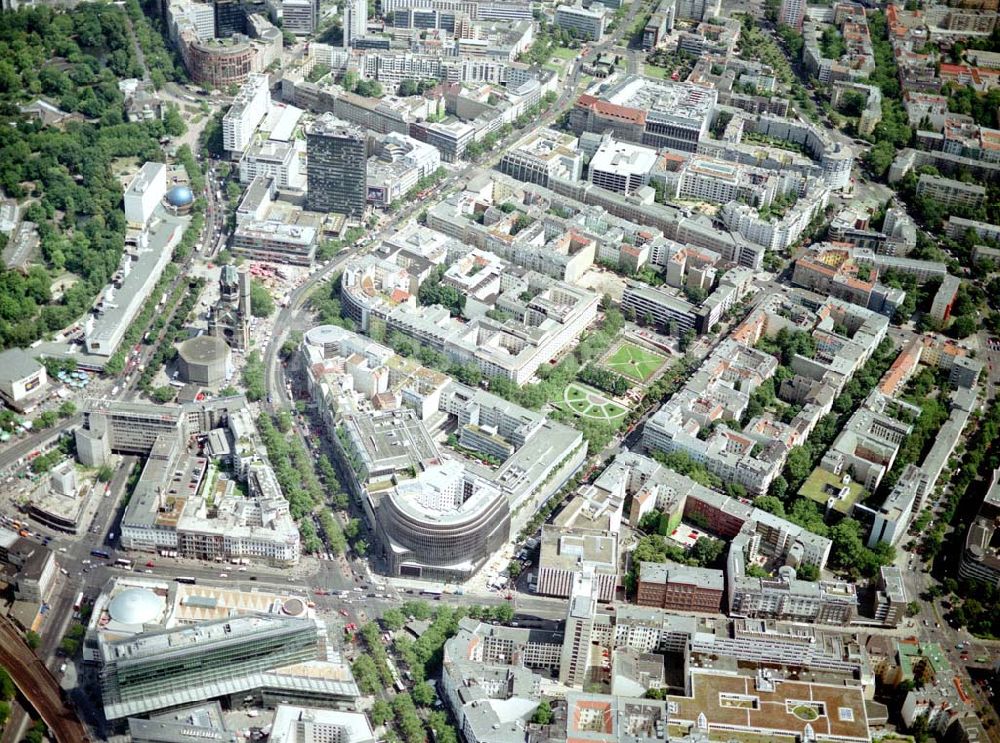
(180, 196)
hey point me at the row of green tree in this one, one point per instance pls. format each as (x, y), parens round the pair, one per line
(292, 466)
(475, 150)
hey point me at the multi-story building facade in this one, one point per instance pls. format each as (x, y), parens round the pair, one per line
(272, 159)
(543, 155)
(949, 192)
(271, 240)
(144, 193)
(792, 13)
(242, 119)
(791, 599)
(586, 23)
(656, 114)
(666, 310)
(152, 671)
(167, 509)
(620, 166)
(574, 661)
(355, 21)
(567, 551)
(336, 168)
(299, 16)
(680, 587)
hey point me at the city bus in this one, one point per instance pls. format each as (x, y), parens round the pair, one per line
(100, 553)
(430, 592)
(190, 580)
(121, 562)
(79, 601)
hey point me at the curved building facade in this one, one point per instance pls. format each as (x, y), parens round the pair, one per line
(442, 525)
(220, 65)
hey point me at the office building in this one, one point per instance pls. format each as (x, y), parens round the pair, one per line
(669, 312)
(230, 18)
(22, 379)
(620, 166)
(697, 10)
(443, 524)
(568, 551)
(450, 137)
(660, 23)
(168, 509)
(435, 517)
(299, 16)
(337, 167)
(272, 159)
(274, 657)
(787, 598)
(891, 597)
(545, 154)
(355, 17)
(679, 587)
(247, 112)
(188, 724)
(130, 605)
(654, 113)
(199, 16)
(273, 240)
(144, 194)
(586, 23)
(981, 559)
(120, 302)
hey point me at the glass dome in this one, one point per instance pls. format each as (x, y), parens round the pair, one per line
(135, 606)
(180, 196)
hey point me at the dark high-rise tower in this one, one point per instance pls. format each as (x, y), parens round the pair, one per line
(230, 18)
(337, 169)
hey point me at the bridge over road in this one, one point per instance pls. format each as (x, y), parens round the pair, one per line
(38, 686)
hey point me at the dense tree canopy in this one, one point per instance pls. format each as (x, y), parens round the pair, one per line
(63, 176)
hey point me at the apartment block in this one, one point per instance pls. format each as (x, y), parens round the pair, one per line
(950, 193)
(246, 113)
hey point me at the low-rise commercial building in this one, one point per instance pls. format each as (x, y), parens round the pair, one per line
(567, 551)
(275, 241)
(22, 379)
